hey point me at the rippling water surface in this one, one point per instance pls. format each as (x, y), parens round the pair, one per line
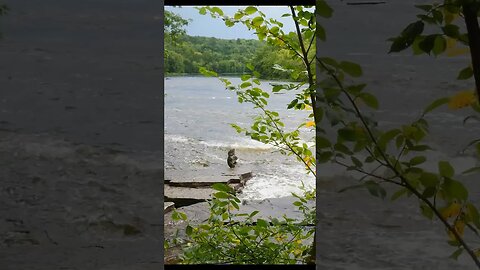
(198, 135)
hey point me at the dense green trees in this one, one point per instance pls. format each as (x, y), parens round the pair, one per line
(188, 53)
(224, 56)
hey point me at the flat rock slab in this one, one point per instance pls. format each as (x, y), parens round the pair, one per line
(200, 181)
(187, 193)
(209, 180)
(168, 206)
(184, 196)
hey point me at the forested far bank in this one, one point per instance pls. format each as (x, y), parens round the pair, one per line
(226, 56)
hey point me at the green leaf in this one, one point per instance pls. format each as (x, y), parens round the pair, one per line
(399, 44)
(429, 192)
(375, 189)
(276, 88)
(429, 179)
(261, 36)
(250, 10)
(175, 215)
(329, 61)
(445, 169)
(342, 148)
(435, 104)
(465, 73)
(238, 16)
(189, 230)
(455, 189)
(323, 9)
(439, 45)
(347, 134)
(387, 137)
(250, 66)
(262, 223)
(399, 193)
(246, 77)
(474, 215)
(356, 162)
(399, 141)
(426, 211)
(292, 104)
(229, 23)
(217, 10)
(322, 142)
(178, 216)
(274, 30)
(369, 99)
(257, 21)
(451, 30)
(221, 195)
(222, 187)
(202, 11)
(417, 160)
(454, 243)
(351, 68)
(407, 36)
(245, 84)
(321, 34)
(253, 213)
(437, 16)
(427, 44)
(235, 204)
(207, 73)
(323, 157)
(355, 89)
(456, 254)
(415, 45)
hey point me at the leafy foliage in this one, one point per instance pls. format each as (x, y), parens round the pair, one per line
(440, 195)
(224, 56)
(231, 236)
(189, 53)
(174, 24)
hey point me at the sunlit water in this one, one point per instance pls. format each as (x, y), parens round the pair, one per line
(198, 135)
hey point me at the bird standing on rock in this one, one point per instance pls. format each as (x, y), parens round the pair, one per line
(231, 159)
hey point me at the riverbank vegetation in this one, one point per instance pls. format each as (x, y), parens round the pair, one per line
(227, 56)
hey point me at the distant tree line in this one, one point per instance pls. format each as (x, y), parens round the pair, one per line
(226, 56)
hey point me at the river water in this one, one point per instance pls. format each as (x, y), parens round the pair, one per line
(198, 135)
(360, 232)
